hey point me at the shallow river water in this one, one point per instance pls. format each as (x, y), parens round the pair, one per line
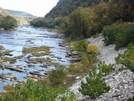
(27, 37)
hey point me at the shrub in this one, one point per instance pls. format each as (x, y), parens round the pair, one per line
(84, 59)
(9, 22)
(33, 91)
(57, 77)
(95, 85)
(105, 69)
(81, 45)
(119, 34)
(67, 96)
(92, 49)
(127, 58)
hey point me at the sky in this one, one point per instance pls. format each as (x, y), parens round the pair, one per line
(35, 7)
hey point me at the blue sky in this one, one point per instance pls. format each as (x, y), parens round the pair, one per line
(36, 7)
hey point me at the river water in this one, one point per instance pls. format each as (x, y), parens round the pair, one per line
(27, 36)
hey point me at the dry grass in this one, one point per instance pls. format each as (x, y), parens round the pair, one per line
(92, 49)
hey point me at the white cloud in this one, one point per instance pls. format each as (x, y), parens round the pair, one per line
(35, 7)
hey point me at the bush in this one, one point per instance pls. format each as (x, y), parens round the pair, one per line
(8, 22)
(84, 59)
(119, 34)
(68, 96)
(105, 69)
(92, 49)
(32, 91)
(57, 77)
(95, 85)
(127, 58)
(81, 45)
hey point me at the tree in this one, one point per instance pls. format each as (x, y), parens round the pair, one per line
(83, 22)
(9, 22)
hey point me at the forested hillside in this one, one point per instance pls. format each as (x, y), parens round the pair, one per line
(66, 7)
(105, 9)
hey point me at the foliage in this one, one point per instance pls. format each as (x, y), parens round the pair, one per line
(84, 58)
(127, 58)
(81, 23)
(131, 99)
(95, 85)
(32, 91)
(37, 51)
(81, 45)
(119, 34)
(105, 69)
(67, 96)
(7, 22)
(43, 22)
(8, 59)
(57, 77)
(92, 49)
(38, 22)
(66, 7)
(126, 9)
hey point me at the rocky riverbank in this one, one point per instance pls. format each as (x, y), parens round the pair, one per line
(120, 82)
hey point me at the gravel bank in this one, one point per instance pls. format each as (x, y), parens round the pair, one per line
(121, 83)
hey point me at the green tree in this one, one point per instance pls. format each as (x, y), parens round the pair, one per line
(83, 22)
(94, 85)
(8, 22)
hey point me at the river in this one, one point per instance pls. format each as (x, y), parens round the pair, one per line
(27, 36)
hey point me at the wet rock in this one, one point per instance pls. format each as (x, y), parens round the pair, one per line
(45, 73)
(61, 44)
(72, 53)
(14, 69)
(9, 54)
(7, 76)
(74, 59)
(44, 65)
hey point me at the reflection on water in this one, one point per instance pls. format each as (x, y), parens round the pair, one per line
(30, 37)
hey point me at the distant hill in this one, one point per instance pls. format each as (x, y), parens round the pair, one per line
(19, 13)
(21, 16)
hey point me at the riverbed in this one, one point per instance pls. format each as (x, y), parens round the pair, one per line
(27, 36)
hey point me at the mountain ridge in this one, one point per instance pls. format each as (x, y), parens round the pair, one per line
(19, 13)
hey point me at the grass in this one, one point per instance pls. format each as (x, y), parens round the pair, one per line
(19, 57)
(11, 60)
(48, 61)
(37, 51)
(30, 41)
